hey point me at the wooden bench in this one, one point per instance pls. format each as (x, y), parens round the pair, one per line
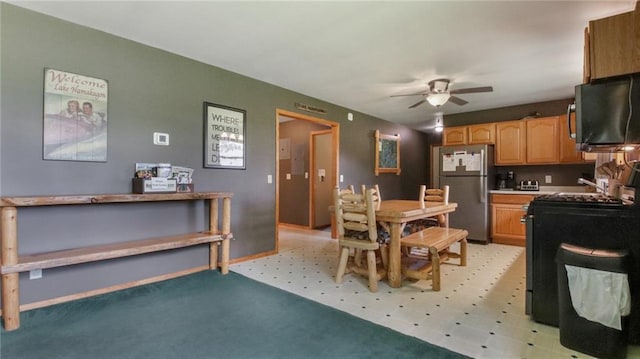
(437, 240)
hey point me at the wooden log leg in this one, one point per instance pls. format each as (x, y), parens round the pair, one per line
(226, 229)
(224, 265)
(435, 268)
(342, 265)
(213, 227)
(373, 272)
(384, 254)
(10, 282)
(357, 258)
(11, 301)
(395, 275)
(213, 255)
(463, 252)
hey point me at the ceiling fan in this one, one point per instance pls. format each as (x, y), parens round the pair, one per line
(439, 93)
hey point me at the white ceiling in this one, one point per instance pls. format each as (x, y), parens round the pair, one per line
(357, 54)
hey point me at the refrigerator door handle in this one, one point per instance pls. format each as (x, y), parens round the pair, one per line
(483, 199)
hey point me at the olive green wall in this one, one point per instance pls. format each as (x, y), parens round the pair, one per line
(151, 90)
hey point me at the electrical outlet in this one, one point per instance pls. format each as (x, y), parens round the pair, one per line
(547, 179)
(35, 274)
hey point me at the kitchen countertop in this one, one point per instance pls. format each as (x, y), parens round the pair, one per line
(546, 190)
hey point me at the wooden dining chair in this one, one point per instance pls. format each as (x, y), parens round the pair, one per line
(377, 195)
(357, 232)
(437, 195)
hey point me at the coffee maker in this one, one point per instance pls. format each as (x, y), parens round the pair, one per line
(506, 181)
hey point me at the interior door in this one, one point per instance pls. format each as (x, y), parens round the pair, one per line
(321, 178)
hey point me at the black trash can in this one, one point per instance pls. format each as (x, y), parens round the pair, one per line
(576, 332)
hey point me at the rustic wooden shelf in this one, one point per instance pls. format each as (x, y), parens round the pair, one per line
(11, 263)
(109, 251)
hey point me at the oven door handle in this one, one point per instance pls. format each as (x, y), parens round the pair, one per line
(524, 218)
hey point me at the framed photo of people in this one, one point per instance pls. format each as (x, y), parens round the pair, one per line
(224, 137)
(75, 117)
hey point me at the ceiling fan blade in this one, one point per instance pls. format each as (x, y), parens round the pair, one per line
(473, 90)
(418, 103)
(412, 94)
(458, 101)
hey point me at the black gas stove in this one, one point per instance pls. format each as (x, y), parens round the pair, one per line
(592, 221)
(586, 200)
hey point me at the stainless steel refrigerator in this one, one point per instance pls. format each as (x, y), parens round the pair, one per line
(468, 171)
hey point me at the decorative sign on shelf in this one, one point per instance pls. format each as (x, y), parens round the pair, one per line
(387, 156)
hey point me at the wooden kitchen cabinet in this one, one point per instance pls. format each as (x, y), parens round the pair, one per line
(454, 136)
(510, 143)
(506, 212)
(542, 140)
(568, 151)
(611, 47)
(484, 133)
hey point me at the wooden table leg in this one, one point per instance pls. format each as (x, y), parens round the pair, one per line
(395, 273)
(10, 282)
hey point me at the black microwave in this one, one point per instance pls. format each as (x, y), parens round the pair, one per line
(608, 113)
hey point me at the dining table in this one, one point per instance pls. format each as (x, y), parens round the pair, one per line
(394, 215)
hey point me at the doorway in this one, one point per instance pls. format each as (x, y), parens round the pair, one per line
(309, 169)
(321, 195)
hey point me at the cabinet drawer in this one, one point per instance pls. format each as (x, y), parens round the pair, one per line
(512, 198)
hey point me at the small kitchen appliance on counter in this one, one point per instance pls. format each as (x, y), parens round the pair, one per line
(529, 185)
(505, 181)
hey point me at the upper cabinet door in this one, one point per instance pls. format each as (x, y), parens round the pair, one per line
(510, 143)
(613, 45)
(484, 133)
(568, 151)
(542, 140)
(454, 136)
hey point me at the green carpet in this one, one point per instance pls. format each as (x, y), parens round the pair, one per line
(205, 315)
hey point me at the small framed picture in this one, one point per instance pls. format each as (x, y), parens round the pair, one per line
(224, 137)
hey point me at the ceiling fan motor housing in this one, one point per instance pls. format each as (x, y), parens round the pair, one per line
(439, 85)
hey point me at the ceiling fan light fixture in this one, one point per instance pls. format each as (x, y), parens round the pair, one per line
(439, 127)
(438, 99)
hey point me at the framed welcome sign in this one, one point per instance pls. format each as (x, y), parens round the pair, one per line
(75, 117)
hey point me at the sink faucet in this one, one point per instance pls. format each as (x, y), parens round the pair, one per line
(589, 183)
